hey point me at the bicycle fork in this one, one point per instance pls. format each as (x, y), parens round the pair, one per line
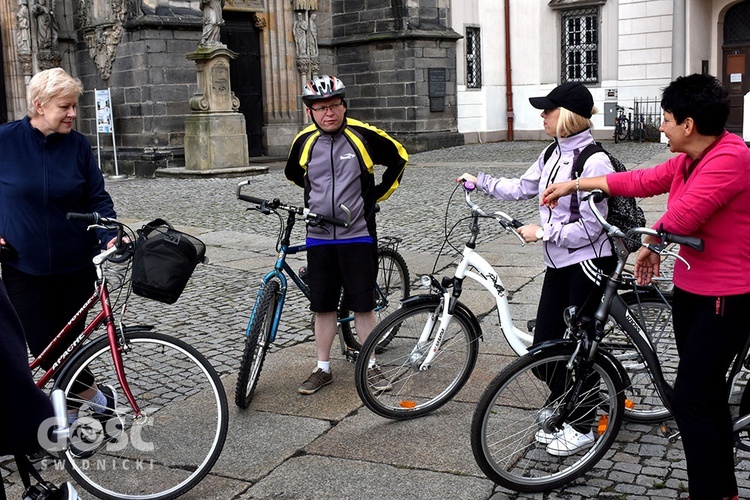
(446, 316)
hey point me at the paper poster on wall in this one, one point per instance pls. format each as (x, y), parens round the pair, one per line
(735, 78)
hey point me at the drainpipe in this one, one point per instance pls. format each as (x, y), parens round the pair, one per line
(508, 72)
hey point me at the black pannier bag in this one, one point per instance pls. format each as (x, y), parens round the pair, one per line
(164, 260)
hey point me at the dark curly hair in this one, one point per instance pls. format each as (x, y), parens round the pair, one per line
(700, 97)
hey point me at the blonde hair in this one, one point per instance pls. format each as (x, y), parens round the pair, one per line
(570, 123)
(51, 83)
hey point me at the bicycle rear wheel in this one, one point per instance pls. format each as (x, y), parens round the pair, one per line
(643, 401)
(395, 345)
(256, 343)
(161, 454)
(393, 287)
(518, 403)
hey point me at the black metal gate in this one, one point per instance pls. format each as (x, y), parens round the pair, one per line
(240, 35)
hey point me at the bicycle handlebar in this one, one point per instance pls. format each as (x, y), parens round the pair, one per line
(276, 204)
(94, 219)
(597, 195)
(502, 217)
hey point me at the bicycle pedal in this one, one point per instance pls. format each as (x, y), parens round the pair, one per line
(671, 435)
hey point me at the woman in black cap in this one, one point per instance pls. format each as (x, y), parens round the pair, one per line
(575, 247)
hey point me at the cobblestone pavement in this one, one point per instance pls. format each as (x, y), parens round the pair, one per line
(213, 311)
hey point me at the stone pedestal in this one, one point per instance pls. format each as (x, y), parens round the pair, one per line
(215, 133)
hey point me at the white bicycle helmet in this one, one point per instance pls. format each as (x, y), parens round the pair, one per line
(322, 87)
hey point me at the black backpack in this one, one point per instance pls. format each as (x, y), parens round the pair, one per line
(623, 212)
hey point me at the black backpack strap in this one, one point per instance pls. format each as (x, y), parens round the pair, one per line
(548, 152)
(583, 157)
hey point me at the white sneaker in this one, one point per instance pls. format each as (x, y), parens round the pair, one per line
(570, 441)
(546, 438)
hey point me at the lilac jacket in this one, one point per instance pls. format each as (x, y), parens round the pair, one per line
(571, 233)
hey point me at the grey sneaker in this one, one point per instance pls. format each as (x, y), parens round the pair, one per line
(377, 380)
(315, 381)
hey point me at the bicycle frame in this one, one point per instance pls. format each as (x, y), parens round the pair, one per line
(105, 315)
(280, 271)
(486, 276)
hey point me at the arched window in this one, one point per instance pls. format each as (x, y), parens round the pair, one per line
(737, 24)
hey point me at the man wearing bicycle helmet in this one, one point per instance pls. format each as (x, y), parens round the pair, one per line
(334, 160)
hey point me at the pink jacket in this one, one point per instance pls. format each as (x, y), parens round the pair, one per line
(571, 232)
(708, 198)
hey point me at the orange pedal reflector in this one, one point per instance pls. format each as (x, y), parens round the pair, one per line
(629, 404)
(603, 422)
(407, 404)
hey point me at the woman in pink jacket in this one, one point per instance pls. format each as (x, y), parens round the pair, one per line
(709, 197)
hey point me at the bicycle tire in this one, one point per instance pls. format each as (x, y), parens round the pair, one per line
(160, 455)
(518, 402)
(393, 281)
(257, 341)
(643, 401)
(394, 343)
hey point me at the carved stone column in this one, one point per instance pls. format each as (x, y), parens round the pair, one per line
(215, 132)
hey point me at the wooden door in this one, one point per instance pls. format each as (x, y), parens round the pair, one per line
(240, 35)
(736, 79)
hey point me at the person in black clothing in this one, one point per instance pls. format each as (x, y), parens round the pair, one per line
(25, 408)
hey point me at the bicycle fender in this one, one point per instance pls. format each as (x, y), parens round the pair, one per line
(103, 338)
(433, 298)
(603, 356)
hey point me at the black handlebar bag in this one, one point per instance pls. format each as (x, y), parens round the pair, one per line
(164, 260)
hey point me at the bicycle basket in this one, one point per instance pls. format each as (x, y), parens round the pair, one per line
(164, 260)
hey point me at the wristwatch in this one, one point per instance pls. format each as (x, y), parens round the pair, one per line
(539, 233)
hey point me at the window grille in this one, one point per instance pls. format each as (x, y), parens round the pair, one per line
(580, 45)
(737, 24)
(473, 59)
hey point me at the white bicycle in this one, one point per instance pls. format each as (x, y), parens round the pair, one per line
(428, 348)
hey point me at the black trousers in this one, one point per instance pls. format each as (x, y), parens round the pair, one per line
(709, 332)
(24, 406)
(563, 287)
(45, 304)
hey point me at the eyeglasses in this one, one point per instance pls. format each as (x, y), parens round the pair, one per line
(326, 109)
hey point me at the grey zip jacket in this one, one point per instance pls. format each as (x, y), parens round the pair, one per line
(338, 168)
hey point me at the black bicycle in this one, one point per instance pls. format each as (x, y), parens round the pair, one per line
(576, 381)
(623, 124)
(391, 289)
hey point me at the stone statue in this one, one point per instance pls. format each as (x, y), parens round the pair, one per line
(22, 27)
(300, 34)
(312, 36)
(212, 22)
(46, 24)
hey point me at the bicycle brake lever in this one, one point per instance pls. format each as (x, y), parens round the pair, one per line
(667, 252)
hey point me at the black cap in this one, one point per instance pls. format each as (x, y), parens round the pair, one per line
(572, 96)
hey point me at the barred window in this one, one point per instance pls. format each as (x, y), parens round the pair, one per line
(473, 59)
(580, 45)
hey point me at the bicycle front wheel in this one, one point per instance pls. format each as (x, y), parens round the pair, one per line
(160, 454)
(643, 401)
(395, 344)
(256, 343)
(392, 288)
(519, 404)
(622, 130)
